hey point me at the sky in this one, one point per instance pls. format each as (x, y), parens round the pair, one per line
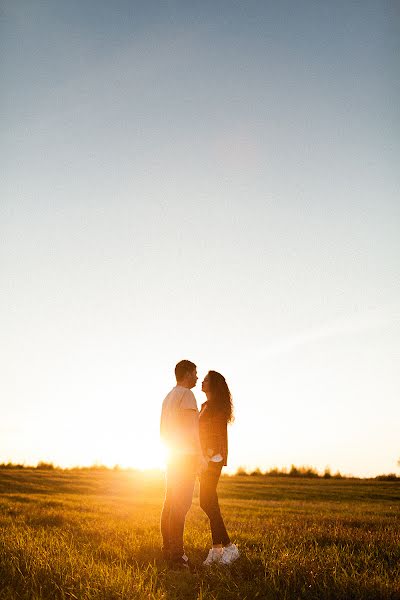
(216, 181)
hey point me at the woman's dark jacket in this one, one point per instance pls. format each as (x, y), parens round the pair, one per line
(213, 432)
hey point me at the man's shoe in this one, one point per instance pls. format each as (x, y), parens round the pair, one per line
(180, 563)
(214, 556)
(230, 554)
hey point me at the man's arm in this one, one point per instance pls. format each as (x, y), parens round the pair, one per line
(190, 420)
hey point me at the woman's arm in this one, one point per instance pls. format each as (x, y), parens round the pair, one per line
(216, 438)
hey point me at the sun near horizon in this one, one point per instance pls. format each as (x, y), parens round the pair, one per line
(125, 432)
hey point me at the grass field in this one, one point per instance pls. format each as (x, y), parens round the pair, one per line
(88, 534)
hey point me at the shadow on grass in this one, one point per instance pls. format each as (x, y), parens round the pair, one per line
(21, 499)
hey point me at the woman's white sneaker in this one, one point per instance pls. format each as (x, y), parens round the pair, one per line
(214, 556)
(230, 554)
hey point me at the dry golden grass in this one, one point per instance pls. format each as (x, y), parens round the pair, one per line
(95, 535)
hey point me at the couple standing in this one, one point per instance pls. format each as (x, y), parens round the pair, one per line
(197, 446)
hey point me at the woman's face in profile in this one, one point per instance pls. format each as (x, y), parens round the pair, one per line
(205, 386)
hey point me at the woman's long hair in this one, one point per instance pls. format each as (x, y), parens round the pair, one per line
(220, 397)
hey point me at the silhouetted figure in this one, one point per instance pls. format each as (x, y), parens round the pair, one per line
(179, 430)
(214, 417)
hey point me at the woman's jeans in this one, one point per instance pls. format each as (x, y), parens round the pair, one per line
(209, 502)
(181, 475)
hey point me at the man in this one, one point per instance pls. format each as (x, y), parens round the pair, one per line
(179, 430)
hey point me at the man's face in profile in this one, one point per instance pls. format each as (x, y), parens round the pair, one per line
(192, 378)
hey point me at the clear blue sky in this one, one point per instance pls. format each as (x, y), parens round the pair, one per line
(215, 182)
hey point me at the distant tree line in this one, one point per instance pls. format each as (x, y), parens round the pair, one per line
(49, 466)
(303, 471)
(308, 473)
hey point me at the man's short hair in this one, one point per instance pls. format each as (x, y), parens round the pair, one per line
(182, 368)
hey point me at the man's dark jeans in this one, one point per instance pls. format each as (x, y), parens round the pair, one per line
(180, 478)
(209, 502)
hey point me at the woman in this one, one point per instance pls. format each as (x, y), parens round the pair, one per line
(215, 414)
